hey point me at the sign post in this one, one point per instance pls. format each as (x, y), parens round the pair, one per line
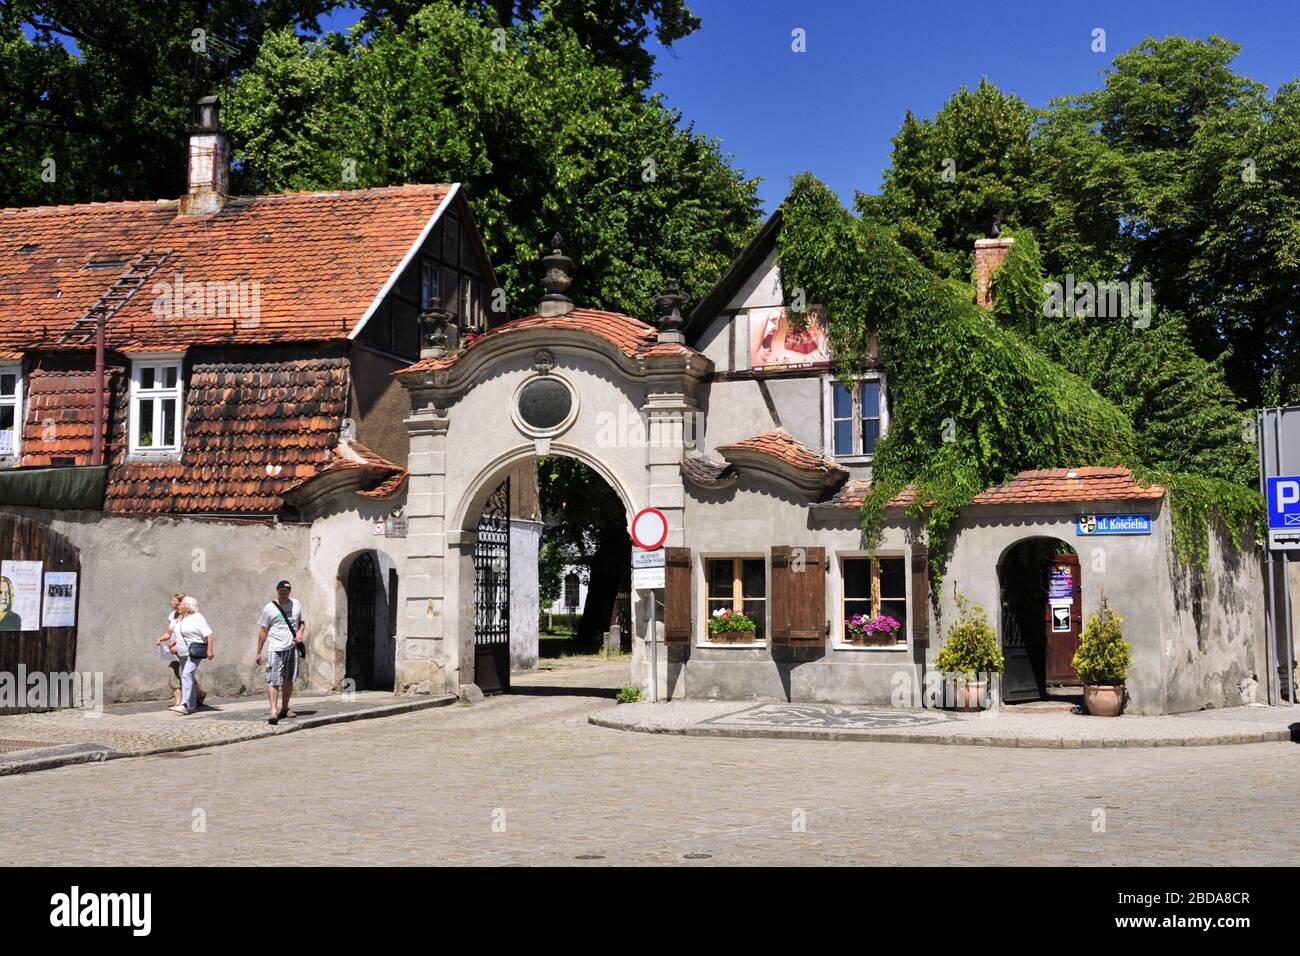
(1278, 436)
(649, 532)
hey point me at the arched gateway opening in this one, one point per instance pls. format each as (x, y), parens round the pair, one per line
(1041, 588)
(370, 589)
(550, 521)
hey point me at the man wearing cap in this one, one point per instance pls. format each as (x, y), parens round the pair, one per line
(280, 630)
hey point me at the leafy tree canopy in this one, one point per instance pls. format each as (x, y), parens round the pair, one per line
(545, 137)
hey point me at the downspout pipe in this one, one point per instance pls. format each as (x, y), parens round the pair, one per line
(97, 439)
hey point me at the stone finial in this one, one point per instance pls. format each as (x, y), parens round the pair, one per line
(433, 332)
(668, 311)
(556, 281)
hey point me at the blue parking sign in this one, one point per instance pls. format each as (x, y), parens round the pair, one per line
(1284, 503)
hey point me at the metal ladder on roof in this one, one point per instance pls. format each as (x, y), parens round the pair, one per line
(130, 282)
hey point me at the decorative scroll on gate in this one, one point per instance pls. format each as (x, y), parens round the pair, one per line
(492, 594)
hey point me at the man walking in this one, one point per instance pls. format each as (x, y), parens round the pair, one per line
(280, 631)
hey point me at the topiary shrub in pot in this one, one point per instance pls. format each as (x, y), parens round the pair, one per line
(1102, 662)
(970, 652)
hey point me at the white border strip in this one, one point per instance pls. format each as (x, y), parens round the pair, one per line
(406, 260)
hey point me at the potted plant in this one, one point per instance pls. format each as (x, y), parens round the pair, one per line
(1102, 661)
(879, 630)
(970, 649)
(730, 627)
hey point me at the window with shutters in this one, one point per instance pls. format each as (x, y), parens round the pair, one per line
(738, 584)
(872, 587)
(11, 410)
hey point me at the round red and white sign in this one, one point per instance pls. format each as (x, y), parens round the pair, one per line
(649, 529)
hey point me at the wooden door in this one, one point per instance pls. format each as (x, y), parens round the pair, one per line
(49, 650)
(1063, 624)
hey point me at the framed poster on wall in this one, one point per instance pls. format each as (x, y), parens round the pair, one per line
(20, 595)
(60, 599)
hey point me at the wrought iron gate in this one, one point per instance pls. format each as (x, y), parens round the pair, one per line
(492, 594)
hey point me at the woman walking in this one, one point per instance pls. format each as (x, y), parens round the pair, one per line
(195, 642)
(169, 638)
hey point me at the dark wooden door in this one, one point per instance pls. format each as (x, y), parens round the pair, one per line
(492, 594)
(362, 579)
(49, 650)
(1063, 624)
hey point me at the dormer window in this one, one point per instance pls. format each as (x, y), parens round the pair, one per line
(857, 417)
(156, 410)
(11, 410)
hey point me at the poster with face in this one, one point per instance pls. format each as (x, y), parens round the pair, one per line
(60, 608)
(20, 596)
(780, 339)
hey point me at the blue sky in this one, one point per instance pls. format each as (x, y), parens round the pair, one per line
(834, 108)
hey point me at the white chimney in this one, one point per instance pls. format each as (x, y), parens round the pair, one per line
(209, 174)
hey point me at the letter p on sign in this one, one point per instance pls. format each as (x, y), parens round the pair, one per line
(1288, 493)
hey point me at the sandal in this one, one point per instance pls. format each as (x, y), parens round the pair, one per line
(273, 719)
(287, 713)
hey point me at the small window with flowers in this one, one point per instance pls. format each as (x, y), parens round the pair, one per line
(737, 600)
(874, 602)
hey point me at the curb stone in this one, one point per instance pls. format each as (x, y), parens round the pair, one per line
(1044, 743)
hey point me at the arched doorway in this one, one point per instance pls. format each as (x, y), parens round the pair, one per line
(582, 519)
(372, 601)
(1041, 588)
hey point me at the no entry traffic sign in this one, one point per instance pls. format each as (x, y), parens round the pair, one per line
(649, 529)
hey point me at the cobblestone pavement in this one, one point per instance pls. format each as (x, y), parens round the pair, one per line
(428, 787)
(142, 728)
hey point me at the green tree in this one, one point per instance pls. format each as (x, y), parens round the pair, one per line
(952, 177)
(615, 31)
(106, 90)
(544, 137)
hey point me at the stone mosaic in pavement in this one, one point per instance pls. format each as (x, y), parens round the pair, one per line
(823, 715)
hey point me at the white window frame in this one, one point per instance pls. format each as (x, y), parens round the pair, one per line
(16, 400)
(828, 405)
(839, 642)
(159, 363)
(702, 608)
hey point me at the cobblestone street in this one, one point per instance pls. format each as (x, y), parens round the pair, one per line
(525, 779)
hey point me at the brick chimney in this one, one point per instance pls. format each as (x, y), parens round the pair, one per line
(209, 173)
(989, 254)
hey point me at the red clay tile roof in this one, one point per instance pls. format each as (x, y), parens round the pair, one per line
(60, 417)
(1031, 487)
(252, 431)
(780, 445)
(319, 260)
(377, 476)
(710, 471)
(632, 336)
(852, 494)
(1070, 484)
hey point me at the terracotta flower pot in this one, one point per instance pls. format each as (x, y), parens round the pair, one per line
(1103, 700)
(968, 695)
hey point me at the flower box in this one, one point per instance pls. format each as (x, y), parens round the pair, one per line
(729, 627)
(732, 637)
(879, 630)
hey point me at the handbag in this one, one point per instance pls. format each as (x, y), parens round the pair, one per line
(299, 646)
(198, 650)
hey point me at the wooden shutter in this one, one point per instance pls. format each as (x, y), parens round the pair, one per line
(920, 596)
(677, 595)
(799, 597)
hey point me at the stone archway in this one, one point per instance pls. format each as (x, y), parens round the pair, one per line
(369, 584)
(1040, 590)
(469, 426)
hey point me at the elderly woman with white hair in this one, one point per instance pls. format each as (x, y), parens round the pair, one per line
(194, 643)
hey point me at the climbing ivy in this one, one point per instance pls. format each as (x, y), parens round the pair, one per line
(973, 401)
